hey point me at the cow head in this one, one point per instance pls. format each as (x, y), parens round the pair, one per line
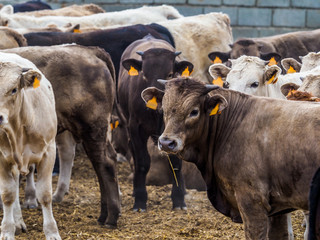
(248, 74)
(186, 107)
(308, 91)
(243, 47)
(5, 12)
(13, 82)
(157, 63)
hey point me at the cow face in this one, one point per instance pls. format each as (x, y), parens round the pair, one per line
(186, 107)
(157, 63)
(13, 82)
(308, 91)
(310, 61)
(249, 75)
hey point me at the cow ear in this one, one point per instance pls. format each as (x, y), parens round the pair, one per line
(30, 78)
(219, 73)
(215, 104)
(184, 68)
(219, 57)
(153, 97)
(133, 66)
(289, 88)
(7, 9)
(271, 74)
(291, 65)
(272, 57)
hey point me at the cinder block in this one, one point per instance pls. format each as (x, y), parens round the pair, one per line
(254, 17)
(273, 3)
(99, 2)
(170, 1)
(189, 11)
(289, 17)
(313, 18)
(306, 3)
(272, 31)
(244, 32)
(240, 3)
(205, 2)
(136, 1)
(232, 12)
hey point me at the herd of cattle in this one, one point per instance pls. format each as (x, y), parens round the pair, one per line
(127, 84)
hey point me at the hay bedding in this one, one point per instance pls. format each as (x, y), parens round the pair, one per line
(76, 216)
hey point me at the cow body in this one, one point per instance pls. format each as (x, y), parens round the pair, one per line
(28, 128)
(158, 61)
(145, 14)
(30, 6)
(109, 40)
(257, 155)
(84, 92)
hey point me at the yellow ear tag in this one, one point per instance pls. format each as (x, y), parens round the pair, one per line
(36, 83)
(272, 61)
(218, 81)
(271, 80)
(111, 126)
(215, 110)
(133, 72)
(76, 30)
(186, 72)
(116, 124)
(291, 70)
(292, 91)
(152, 103)
(217, 60)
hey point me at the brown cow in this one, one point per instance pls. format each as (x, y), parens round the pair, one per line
(83, 82)
(256, 155)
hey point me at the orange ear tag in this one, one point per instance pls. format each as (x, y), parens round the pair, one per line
(291, 70)
(186, 72)
(133, 71)
(36, 83)
(292, 91)
(116, 124)
(111, 126)
(152, 103)
(76, 30)
(218, 82)
(214, 110)
(272, 61)
(271, 80)
(217, 60)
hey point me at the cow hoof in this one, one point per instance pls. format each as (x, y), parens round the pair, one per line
(110, 226)
(139, 210)
(30, 205)
(180, 208)
(57, 199)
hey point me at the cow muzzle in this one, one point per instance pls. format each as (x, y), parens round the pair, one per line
(3, 119)
(168, 144)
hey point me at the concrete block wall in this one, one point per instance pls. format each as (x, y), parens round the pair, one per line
(249, 18)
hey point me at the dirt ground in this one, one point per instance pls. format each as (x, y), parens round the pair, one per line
(77, 215)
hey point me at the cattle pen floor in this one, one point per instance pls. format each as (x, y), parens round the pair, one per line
(77, 215)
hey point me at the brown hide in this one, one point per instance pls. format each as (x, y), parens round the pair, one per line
(257, 155)
(9, 38)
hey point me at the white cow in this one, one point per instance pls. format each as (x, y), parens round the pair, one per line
(308, 62)
(28, 126)
(254, 76)
(196, 36)
(145, 14)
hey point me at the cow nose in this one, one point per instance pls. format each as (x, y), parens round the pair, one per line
(167, 144)
(1, 119)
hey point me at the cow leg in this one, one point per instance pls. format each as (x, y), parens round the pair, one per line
(44, 193)
(12, 217)
(178, 191)
(278, 227)
(141, 158)
(66, 149)
(103, 159)
(30, 200)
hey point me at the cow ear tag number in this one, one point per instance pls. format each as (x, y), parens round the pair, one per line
(152, 103)
(36, 83)
(217, 60)
(291, 70)
(186, 72)
(133, 71)
(218, 81)
(214, 111)
(272, 61)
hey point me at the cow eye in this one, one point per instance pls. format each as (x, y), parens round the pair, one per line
(14, 91)
(170, 75)
(254, 85)
(194, 113)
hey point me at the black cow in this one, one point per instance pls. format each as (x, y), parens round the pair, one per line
(314, 207)
(30, 6)
(143, 62)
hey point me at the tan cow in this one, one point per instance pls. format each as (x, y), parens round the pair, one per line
(10, 38)
(28, 126)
